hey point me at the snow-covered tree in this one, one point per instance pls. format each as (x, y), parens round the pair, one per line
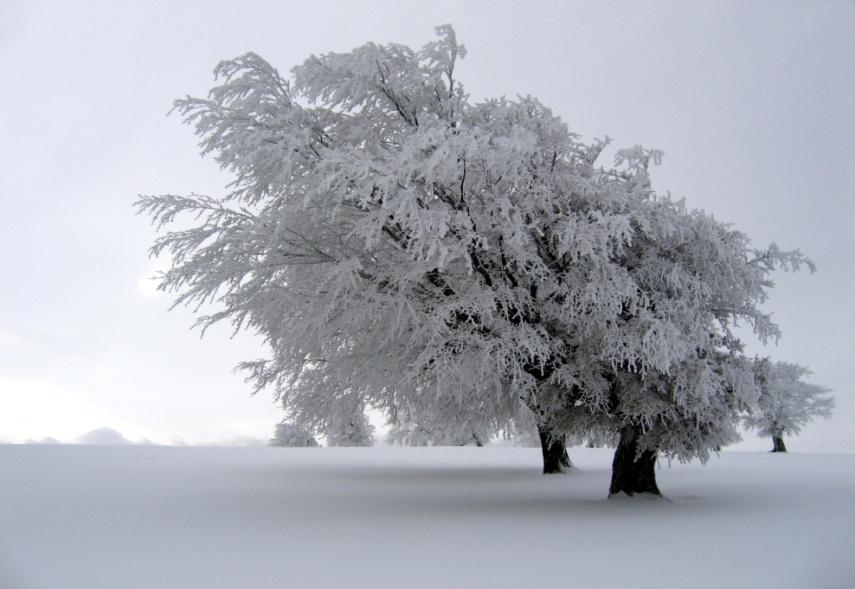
(365, 238)
(786, 401)
(347, 424)
(523, 431)
(680, 380)
(402, 247)
(431, 420)
(408, 434)
(414, 434)
(292, 435)
(429, 425)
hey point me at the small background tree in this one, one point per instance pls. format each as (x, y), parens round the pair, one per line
(347, 425)
(786, 401)
(291, 435)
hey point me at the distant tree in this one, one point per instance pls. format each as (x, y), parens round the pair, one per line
(436, 422)
(347, 425)
(292, 436)
(523, 431)
(402, 247)
(786, 401)
(409, 433)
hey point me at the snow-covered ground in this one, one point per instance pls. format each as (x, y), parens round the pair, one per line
(76, 517)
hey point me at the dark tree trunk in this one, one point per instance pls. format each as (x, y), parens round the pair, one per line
(553, 446)
(778, 444)
(633, 472)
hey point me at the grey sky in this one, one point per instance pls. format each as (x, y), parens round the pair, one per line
(751, 102)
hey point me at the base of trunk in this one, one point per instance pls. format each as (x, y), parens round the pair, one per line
(633, 472)
(554, 449)
(778, 444)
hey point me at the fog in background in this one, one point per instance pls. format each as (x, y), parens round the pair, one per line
(752, 104)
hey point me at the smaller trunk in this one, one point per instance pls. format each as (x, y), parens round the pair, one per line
(633, 472)
(553, 446)
(778, 444)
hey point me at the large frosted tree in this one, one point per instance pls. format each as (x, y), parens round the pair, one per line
(378, 240)
(399, 246)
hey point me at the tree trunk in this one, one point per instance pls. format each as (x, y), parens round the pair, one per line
(778, 444)
(633, 472)
(553, 446)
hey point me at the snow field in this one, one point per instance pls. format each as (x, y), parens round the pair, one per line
(75, 517)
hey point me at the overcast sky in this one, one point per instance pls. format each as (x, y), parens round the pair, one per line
(752, 103)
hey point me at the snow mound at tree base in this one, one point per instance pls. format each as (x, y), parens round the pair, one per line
(186, 518)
